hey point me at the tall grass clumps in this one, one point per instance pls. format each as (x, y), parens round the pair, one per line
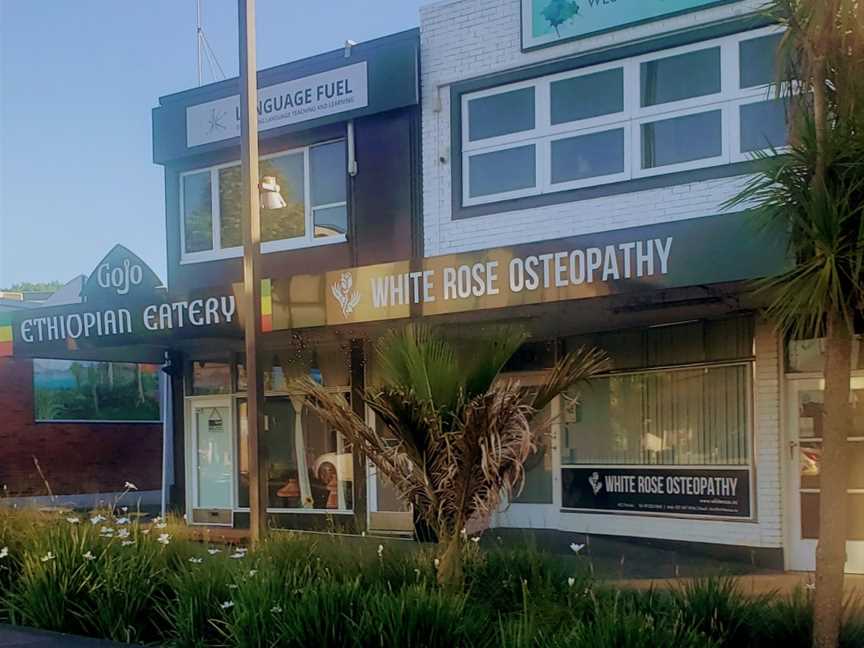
(103, 575)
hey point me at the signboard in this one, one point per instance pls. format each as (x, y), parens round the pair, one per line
(548, 22)
(120, 275)
(658, 490)
(311, 97)
(692, 252)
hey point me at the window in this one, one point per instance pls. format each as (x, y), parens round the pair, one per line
(72, 390)
(696, 106)
(312, 182)
(677, 417)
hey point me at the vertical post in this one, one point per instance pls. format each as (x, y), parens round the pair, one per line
(251, 253)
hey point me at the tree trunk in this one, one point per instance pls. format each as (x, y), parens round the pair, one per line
(450, 568)
(833, 476)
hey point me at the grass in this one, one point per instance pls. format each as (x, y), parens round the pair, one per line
(114, 579)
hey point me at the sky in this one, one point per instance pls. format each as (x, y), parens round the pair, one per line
(78, 79)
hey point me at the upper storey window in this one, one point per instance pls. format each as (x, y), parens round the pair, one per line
(702, 105)
(313, 183)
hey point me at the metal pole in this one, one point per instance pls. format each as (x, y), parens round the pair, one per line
(251, 255)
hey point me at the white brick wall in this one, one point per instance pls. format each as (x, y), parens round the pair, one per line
(462, 39)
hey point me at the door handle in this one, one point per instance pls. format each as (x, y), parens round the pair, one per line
(793, 445)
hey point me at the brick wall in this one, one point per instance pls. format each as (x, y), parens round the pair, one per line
(463, 39)
(76, 458)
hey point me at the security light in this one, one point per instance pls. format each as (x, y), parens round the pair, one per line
(270, 196)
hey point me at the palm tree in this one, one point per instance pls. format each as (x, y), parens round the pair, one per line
(816, 193)
(462, 433)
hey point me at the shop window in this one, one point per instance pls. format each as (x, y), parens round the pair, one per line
(312, 182)
(644, 116)
(210, 378)
(808, 356)
(537, 488)
(73, 390)
(678, 417)
(308, 466)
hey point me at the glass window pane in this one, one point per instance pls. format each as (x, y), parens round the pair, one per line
(588, 156)
(308, 465)
(215, 457)
(290, 221)
(330, 221)
(763, 125)
(328, 165)
(682, 417)
(587, 96)
(685, 76)
(197, 212)
(210, 378)
(75, 390)
(229, 207)
(759, 60)
(682, 139)
(501, 114)
(500, 171)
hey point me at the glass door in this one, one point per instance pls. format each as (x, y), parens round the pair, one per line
(387, 512)
(806, 419)
(212, 438)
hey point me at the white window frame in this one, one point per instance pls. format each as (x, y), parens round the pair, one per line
(631, 118)
(218, 252)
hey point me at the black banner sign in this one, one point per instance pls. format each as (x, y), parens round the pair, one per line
(664, 490)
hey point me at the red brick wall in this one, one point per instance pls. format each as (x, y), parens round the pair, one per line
(75, 457)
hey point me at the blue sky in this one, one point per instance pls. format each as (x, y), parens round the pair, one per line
(77, 82)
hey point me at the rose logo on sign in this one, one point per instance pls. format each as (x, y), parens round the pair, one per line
(342, 291)
(596, 483)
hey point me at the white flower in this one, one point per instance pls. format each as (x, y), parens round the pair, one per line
(380, 550)
(437, 563)
(73, 520)
(252, 572)
(227, 604)
(276, 609)
(475, 539)
(810, 586)
(576, 547)
(196, 561)
(417, 572)
(464, 533)
(126, 543)
(89, 556)
(160, 525)
(121, 521)
(48, 556)
(213, 552)
(4, 552)
(130, 486)
(164, 538)
(123, 533)
(237, 556)
(232, 586)
(124, 509)
(571, 581)
(106, 531)
(96, 519)
(145, 531)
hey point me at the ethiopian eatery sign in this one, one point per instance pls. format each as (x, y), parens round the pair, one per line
(547, 22)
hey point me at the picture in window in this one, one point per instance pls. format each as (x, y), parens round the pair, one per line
(73, 390)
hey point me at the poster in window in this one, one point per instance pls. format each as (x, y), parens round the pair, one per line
(72, 390)
(547, 22)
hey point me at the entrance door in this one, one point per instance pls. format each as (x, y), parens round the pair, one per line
(212, 469)
(805, 419)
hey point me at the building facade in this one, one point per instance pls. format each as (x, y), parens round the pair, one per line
(554, 120)
(563, 167)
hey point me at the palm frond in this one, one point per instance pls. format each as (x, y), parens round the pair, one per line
(487, 358)
(577, 366)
